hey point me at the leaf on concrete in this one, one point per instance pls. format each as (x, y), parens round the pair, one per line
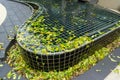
(14, 76)
(1, 65)
(1, 46)
(113, 60)
(9, 74)
(118, 57)
(98, 70)
(19, 77)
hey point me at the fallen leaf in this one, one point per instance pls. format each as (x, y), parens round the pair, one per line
(113, 60)
(118, 56)
(19, 77)
(1, 65)
(98, 70)
(9, 74)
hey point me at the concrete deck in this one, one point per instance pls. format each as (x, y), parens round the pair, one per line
(14, 14)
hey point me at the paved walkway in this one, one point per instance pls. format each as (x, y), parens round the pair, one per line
(16, 15)
(13, 13)
(107, 69)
